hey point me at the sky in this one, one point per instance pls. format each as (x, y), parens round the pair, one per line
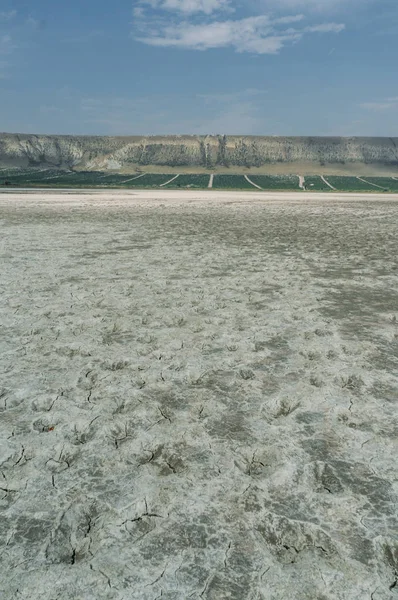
(244, 67)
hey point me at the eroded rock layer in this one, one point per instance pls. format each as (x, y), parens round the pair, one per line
(194, 152)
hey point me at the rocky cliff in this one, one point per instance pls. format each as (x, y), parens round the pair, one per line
(197, 153)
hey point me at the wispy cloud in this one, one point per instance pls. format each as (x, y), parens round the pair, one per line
(16, 31)
(325, 28)
(237, 112)
(115, 115)
(236, 118)
(258, 35)
(7, 15)
(314, 6)
(35, 24)
(7, 45)
(188, 6)
(3, 67)
(46, 109)
(386, 104)
(231, 97)
(85, 38)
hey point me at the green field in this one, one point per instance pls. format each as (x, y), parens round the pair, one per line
(61, 179)
(64, 179)
(350, 184)
(276, 182)
(387, 183)
(50, 177)
(45, 175)
(114, 179)
(149, 180)
(316, 183)
(16, 176)
(194, 181)
(85, 179)
(231, 182)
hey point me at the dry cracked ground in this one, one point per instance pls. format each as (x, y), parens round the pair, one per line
(199, 400)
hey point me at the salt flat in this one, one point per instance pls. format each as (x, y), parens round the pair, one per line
(199, 395)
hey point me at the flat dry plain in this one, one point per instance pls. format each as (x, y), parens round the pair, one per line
(199, 396)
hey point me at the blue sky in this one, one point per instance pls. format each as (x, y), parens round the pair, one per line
(266, 67)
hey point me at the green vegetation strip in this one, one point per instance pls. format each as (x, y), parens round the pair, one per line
(276, 182)
(316, 183)
(387, 183)
(26, 175)
(192, 181)
(55, 178)
(231, 182)
(149, 180)
(350, 184)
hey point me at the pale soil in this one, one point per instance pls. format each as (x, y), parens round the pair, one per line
(199, 396)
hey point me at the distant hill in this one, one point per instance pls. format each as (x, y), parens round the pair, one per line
(216, 153)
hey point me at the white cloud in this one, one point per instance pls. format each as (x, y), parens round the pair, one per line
(259, 35)
(188, 6)
(386, 104)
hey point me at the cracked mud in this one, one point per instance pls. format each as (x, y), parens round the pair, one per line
(198, 397)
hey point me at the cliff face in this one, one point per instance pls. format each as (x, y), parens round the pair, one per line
(195, 152)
